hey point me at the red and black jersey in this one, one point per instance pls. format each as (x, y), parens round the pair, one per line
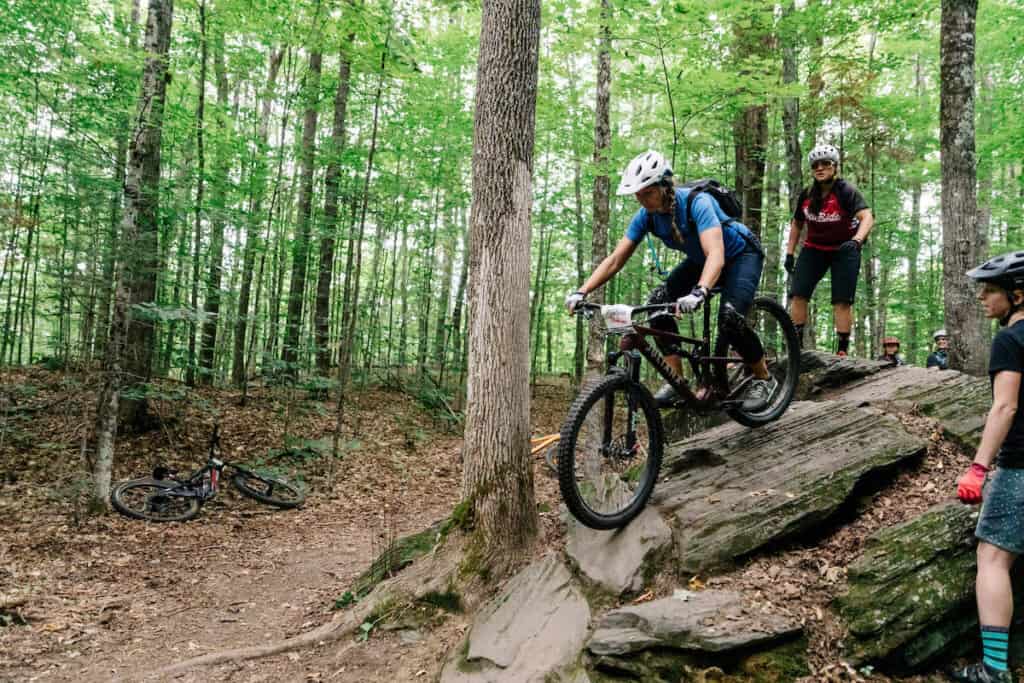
(836, 222)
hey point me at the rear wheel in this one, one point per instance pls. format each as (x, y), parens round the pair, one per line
(154, 500)
(267, 489)
(782, 353)
(609, 452)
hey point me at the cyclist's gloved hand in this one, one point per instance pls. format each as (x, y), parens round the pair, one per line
(790, 264)
(969, 485)
(574, 300)
(850, 245)
(692, 301)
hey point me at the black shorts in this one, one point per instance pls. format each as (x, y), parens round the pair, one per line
(811, 266)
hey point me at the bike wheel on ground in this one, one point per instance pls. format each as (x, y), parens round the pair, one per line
(782, 350)
(154, 501)
(609, 452)
(267, 489)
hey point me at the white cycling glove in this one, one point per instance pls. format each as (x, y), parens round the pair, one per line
(692, 301)
(574, 300)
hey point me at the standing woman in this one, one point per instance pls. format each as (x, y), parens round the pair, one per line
(838, 221)
(719, 251)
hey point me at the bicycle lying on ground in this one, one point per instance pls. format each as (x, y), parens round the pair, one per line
(610, 446)
(163, 497)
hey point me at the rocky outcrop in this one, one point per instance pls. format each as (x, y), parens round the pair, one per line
(708, 621)
(534, 629)
(911, 593)
(734, 490)
(615, 560)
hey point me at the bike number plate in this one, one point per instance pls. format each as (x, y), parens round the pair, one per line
(618, 317)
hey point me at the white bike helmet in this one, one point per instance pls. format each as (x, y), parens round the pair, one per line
(823, 153)
(643, 171)
(939, 333)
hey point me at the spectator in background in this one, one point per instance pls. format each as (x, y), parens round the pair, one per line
(939, 358)
(891, 346)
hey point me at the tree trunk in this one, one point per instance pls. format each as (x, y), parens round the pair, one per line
(602, 184)
(498, 473)
(141, 191)
(218, 209)
(791, 116)
(960, 239)
(190, 370)
(300, 250)
(326, 274)
(258, 181)
(139, 225)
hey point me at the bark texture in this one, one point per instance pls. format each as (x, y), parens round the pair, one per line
(141, 192)
(961, 241)
(602, 184)
(141, 210)
(498, 475)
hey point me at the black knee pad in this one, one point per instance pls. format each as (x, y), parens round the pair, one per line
(739, 334)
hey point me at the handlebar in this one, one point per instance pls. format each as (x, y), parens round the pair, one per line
(589, 309)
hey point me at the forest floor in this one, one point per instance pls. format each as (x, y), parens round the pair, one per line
(98, 598)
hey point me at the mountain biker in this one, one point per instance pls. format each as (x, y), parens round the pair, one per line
(838, 222)
(719, 251)
(891, 348)
(940, 357)
(1000, 529)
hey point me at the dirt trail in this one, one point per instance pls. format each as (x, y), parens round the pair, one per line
(116, 599)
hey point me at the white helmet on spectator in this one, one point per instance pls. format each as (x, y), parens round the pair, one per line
(823, 153)
(643, 171)
(940, 333)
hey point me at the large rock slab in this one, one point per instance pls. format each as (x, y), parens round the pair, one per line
(534, 629)
(615, 560)
(911, 595)
(820, 369)
(959, 402)
(734, 490)
(708, 621)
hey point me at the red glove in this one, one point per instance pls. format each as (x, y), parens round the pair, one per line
(969, 486)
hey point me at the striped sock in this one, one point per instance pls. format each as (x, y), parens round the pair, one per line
(995, 643)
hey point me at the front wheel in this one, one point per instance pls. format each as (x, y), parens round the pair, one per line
(609, 452)
(267, 489)
(781, 345)
(154, 500)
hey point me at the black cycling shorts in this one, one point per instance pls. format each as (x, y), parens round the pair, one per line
(811, 266)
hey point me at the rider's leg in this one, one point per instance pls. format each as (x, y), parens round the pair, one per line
(845, 268)
(810, 267)
(739, 285)
(679, 282)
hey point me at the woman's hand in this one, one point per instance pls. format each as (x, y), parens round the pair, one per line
(969, 485)
(692, 301)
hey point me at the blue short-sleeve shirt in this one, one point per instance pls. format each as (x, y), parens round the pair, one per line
(706, 214)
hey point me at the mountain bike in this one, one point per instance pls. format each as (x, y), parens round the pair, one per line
(164, 497)
(610, 445)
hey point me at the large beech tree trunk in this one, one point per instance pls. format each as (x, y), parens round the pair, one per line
(602, 184)
(961, 242)
(498, 474)
(139, 223)
(141, 191)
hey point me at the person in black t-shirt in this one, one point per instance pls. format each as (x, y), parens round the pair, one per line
(1000, 529)
(838, 222)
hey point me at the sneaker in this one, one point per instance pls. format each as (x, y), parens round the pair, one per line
(667, 396)
(759, 393)
(980, 673)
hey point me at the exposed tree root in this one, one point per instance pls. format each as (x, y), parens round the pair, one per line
(433, 574)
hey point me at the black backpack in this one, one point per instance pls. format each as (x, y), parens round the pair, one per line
(725, 197)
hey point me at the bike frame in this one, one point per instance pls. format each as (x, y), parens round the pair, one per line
(633, 345)
(204, 482)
